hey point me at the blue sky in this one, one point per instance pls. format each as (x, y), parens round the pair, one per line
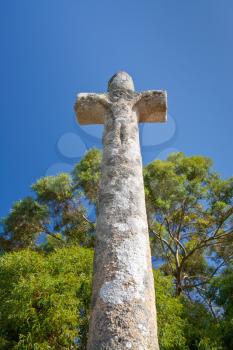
(52, 49)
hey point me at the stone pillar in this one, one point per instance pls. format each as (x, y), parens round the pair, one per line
(123, 300)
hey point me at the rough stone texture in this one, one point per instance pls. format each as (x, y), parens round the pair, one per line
(123, 300)
(150, 106)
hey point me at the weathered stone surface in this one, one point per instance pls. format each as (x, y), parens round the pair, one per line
(123, 300)
(150, 106)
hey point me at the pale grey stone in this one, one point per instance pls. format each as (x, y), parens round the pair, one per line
(123, 300)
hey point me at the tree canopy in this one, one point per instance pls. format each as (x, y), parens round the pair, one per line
(190, 217)
(45, 298)
(47, 245)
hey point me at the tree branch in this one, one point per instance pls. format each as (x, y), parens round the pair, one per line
(45, 230)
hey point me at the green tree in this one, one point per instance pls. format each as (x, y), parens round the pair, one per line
(189, 210)
(202, 329)
(45, 299)
(67, 212)
(87, 174)
(45, 302)
(56, 210)
(26, 220)
(190, 214)
(171, 323)
(221, 291)
(184, 324)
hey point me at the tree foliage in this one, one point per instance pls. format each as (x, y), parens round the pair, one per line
(171, 324)
(23, 224)
(57, 209)
(190, 215)
(45, 269)
(221, 292)
(45, 299)
(87, 174)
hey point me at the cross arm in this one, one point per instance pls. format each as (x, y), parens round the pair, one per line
(91, 108)
(151, 106)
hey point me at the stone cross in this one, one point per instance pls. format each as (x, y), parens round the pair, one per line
(123, 300)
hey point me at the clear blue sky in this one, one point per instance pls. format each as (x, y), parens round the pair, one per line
(52, 49)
